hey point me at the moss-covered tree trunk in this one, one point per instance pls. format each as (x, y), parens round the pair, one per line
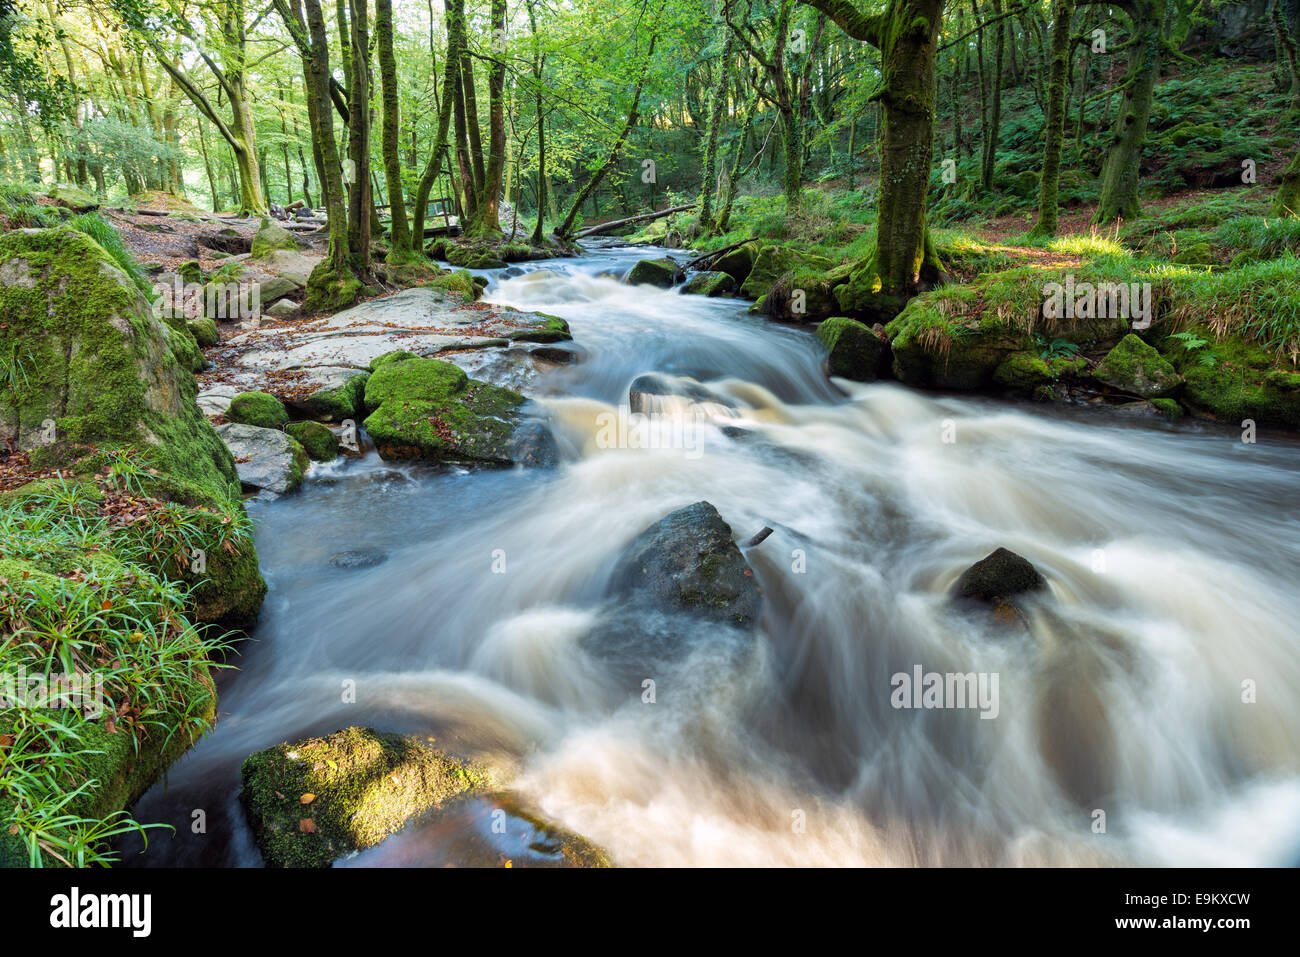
(1120, 176)
(400, 249)
(904, 261)
(1287, 47)
(433, 168)
(717, 114)
(1054, 133)
(995, 100)
(359, 195)
(539, 63)
(487, 220)
(332, 284)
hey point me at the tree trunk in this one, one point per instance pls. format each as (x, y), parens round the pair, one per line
(400, 249)
(433, 168)
(904, 261)
(1287, 200)
(717, 113)
(359, 197)
(487, 220)
(1121, 171)
(1054, 134)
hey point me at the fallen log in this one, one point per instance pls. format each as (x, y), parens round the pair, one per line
(643, 217)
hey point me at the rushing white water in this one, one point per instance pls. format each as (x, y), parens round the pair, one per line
(1172, 555)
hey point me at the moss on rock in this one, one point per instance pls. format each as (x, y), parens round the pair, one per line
(313, 802)
(854, 351)
(258, 408)
(271, 236)
(316, 439)
(1135, 367)
(429, 409)
(92, 359)
(662, 272)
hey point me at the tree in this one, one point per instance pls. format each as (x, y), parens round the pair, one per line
(399, 231)
(904, 260)
(1054, 131)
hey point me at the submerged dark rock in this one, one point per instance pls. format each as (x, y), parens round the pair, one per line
(1000, 576)
(688, 561)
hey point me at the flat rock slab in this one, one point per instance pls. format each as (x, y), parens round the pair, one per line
(423, 321)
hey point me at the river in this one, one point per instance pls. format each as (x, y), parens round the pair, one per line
(1147, 715)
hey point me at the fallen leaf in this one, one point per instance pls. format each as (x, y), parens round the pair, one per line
(307, 826)
(307, 798)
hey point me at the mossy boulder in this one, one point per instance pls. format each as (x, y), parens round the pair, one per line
(1233, 380)
(258, 408)
(190, 272)
(714, 283)
(1137, 368)
(932, 350)
(662, 272)
(688, 561)
(74, 198)
(312, 802)
(458, 281)
(554, 329)
(429, 410)
(95, 362)
(334, 403)
(1027, 372)
(738, 263)
(999, 576)
(270, 237)
(853, 350)
(770, 264)
(316, 439)
(205, 332)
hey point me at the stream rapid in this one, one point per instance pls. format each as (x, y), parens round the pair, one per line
(476, 608)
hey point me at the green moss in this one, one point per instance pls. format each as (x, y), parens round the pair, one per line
(190, 272)
(329, 290)
(258, 408)
(1169, 408)
(317, 439)
(429, 409)
(1244, 381)
(397, 355)
(346, 401)
(365, 785)
(270, 237)
(554, 330)
(1133, 366)
(459, 282)
(854, 351)
(654, 272)
(205, 332)
(95, 361)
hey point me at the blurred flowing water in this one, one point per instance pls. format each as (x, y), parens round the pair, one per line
(1172, 553)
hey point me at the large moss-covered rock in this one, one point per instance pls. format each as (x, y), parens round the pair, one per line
(715, 283)
(429, 409)
(312, 802)
(739, 262)
(1233, 380)
(688, 561)
(770, 264)
(258, 408)
(86, 354)
(270, 237)
(205, 332)
(1135, 367)
(853, 350)
(932, 351)
(74, 198)
(317, 439)
(661, 272)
